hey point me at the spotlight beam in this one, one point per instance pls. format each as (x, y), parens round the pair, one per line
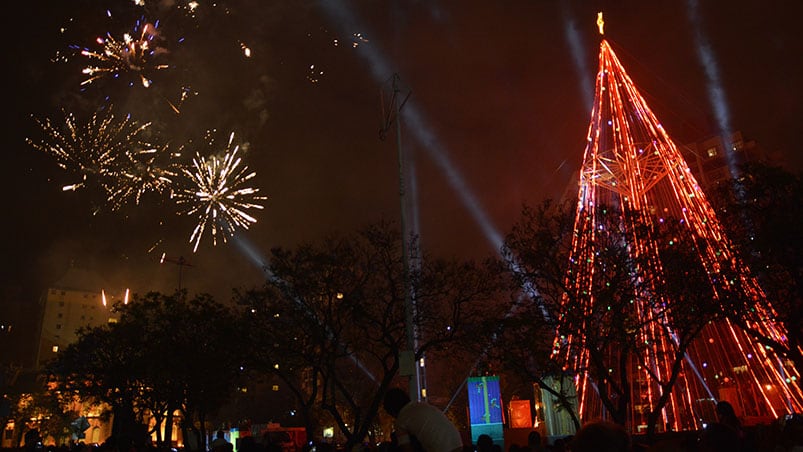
(716, 92)
(256, 257)
(380, 68)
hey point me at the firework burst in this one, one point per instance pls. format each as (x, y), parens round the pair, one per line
(112, 153)
(137, 53)
(95, 150)
(147, 168)
(217, 195)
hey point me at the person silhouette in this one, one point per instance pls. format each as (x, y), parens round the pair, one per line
(727, 415)
(485, 443)
(601, 437)
(219, 444)
(534, 442)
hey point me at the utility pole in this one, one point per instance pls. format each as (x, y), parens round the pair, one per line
(180, 262)
(408, 364)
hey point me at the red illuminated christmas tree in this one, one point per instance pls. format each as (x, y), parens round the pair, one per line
(632, 166)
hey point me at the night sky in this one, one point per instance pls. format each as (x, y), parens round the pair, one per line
(500, 90)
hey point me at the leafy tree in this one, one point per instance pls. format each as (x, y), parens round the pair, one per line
(332, 323)
(165, 353)
(101, 367)
(200, 356)
(284, 346)
(30, 404)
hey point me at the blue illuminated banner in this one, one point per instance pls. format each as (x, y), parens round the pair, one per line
(485, 409)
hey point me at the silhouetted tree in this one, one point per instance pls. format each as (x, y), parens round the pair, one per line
(29, 403)
(678, 301)
(165, 353)
(535, 255)
(762, 214)
(331, 319)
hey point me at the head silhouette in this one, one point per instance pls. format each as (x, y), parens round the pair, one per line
(601, 437)
(725, 410)
(395, 400)
(485, 443)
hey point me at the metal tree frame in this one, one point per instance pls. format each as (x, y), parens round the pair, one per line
(631, 163)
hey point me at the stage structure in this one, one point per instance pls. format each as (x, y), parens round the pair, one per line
(632, 166)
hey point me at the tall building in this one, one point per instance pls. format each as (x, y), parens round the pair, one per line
(79, 299)
(714, 159)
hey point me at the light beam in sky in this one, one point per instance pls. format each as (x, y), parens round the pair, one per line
(579, 58)
(417, 125)
(716, 92)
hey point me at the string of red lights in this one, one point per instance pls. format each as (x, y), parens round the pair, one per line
(632, 164)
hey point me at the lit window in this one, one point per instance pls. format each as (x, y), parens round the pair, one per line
(55, 349)
(712, 152)
(275, 388)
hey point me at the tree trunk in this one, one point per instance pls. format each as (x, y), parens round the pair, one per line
(563, 401)
(18, 433)
(158, 428)
(308, 427)
(202, 430)
(192, 438)
(168, 439)
(124, 424)
(652, 419)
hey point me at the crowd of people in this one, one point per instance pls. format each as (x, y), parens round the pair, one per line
(420, 427)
